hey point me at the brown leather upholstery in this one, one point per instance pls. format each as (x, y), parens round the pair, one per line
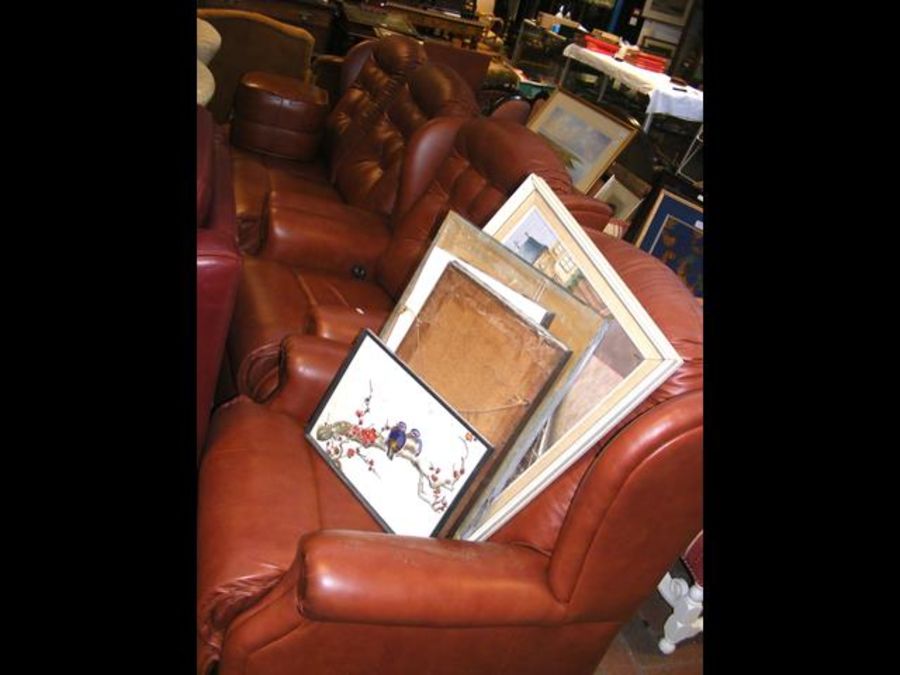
(348, 168)
(294, 576)
(252, 41)
(218, 261)
(279, 116)
(513, 108)
(310, 252)
(471, 64)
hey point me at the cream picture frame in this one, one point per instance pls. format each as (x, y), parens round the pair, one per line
(572, 432)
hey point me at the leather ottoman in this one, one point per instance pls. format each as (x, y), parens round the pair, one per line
(279, 115)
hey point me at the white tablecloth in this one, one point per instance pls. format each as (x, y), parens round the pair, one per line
(208, 41)
(206, 85)
(664, 99)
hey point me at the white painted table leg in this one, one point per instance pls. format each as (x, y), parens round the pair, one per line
(686, 619)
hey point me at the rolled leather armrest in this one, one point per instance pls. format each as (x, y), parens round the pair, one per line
(307, 366)
(343, 324)
(322, 235)
(367, 577)
(589, 212)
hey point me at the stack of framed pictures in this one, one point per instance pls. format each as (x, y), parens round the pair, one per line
(571, 322)
(511, 352)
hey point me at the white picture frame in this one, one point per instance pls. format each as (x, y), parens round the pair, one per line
(617, 195)
(596, 402)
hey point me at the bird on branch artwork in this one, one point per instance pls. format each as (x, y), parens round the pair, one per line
(360, 441)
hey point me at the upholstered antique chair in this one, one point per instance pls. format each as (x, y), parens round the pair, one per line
(295, 576)
(331, 270)
(251, 41)
(218, 261)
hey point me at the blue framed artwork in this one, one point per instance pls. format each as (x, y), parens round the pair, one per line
(673, 232)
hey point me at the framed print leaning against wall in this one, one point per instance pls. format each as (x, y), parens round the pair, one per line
(673, 232)
(587, 138)
(632, 358)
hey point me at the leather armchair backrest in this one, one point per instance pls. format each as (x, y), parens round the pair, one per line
(488, 161)
(471, 64)
(368, 172)
(379, 68)
(252, 41)
(353, 62)
(637, 508)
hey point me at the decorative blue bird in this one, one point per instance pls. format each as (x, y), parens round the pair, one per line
(396, 439)
(414, 442)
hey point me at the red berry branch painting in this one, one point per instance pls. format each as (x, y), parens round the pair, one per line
(345, 440)
(403, 451)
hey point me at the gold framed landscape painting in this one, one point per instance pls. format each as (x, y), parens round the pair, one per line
(632, 358)
(587, 138)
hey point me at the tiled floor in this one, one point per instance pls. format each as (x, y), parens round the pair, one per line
(634, 651)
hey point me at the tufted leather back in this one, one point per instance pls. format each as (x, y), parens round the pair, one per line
(488, 160)
(381, 68)
(575, 518)
(368, 165)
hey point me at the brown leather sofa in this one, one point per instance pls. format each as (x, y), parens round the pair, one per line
(331, 270)
(294, 575)
(218, 261)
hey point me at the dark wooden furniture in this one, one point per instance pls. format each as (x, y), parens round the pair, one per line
(316, 16)
(432, 21)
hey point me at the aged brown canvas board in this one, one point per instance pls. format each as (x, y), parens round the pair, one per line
(482, 356)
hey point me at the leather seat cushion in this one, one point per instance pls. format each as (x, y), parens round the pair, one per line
(256, 175)
(329, 289)
(275, 300)
(261, 487)
(321, 234)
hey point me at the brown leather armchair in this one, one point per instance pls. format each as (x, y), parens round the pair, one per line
(252, 41)
(294, 575)
(373, 73)
(218, 261)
